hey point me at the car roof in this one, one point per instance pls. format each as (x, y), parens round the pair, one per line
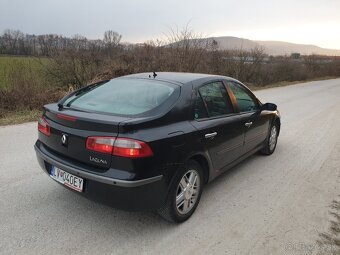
(177, 77)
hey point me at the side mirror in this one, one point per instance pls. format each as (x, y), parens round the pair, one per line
(269, 107)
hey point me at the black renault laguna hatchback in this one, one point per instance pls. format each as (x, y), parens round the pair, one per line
(152, 141)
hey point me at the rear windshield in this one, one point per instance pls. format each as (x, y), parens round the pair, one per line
(124, 96)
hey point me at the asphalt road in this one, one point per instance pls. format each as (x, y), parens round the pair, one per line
(266, 205)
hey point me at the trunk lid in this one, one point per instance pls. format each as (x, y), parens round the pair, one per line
(70, 129)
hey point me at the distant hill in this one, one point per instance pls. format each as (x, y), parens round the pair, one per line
(272, 47)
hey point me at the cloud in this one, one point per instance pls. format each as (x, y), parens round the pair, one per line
(142, 20)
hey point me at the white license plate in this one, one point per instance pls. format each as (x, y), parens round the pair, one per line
(67, 179)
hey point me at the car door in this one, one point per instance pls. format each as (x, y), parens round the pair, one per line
(256, 122)
(220, 130)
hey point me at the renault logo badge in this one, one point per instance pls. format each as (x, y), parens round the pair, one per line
(64, 139)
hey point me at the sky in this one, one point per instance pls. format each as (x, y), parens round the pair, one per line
(299, 21)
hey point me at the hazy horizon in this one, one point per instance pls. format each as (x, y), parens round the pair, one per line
(303, 22)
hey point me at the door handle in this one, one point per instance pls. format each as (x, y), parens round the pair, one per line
(248, 124)
(210, 135)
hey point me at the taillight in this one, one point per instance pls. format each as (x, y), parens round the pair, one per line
(131, 148)
(100, 144)
(43, 126)
(122, 147)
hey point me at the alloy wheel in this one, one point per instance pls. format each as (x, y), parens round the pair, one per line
(187, 191)
(273, 138)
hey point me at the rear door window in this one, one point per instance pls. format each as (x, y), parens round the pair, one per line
(124, 96)
(212, 101)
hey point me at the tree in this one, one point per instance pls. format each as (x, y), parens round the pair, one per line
(311, 64)
(187, 49)
(13, 39)
(112, 38)
(112, 42)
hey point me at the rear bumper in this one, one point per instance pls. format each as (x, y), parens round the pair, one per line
(132, 195)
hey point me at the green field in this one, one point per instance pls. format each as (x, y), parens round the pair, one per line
(22, 87)
(13, 66)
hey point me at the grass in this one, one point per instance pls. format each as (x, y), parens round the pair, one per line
(12, 65)
(19, 117)
(22, 79)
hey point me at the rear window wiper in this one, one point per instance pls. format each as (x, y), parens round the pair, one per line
(78, 92)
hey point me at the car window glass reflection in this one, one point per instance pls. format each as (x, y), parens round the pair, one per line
(216, 100)
(244, 101)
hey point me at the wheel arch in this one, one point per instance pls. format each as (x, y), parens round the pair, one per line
(204, 163)
(277, 121)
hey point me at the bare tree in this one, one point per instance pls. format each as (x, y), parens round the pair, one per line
(187, 48)
(49, 44)
(79, 42)
(12, 40)
(71, 68)
(112, 42)
(112, 38)
(311, 64)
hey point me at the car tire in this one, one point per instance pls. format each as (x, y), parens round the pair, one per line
(271, 141)
(184, 194)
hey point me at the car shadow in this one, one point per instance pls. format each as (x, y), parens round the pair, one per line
(108, 220)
